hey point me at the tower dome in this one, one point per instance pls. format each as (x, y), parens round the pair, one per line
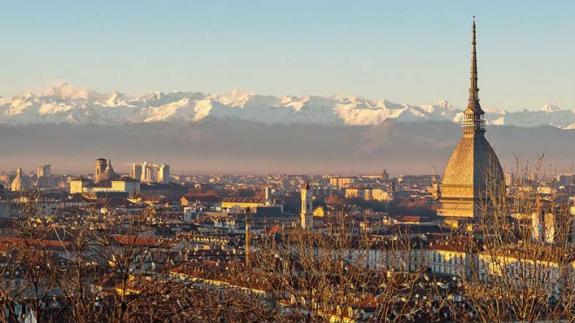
(473, 176)
(20, 182)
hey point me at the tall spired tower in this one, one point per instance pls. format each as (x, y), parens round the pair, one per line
(473, 176)
(306, 213)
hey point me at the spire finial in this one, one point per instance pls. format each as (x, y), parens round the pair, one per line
(473, 116)
(473, 89)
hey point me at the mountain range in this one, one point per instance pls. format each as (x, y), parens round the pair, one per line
(64, 103)
(240, 132)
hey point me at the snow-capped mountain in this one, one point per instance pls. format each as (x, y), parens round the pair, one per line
(64, 103)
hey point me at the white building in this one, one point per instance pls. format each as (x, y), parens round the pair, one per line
(164, 173)
(43, 171)
(150, 173)
(124, 185)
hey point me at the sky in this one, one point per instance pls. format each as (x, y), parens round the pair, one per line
(406, 51)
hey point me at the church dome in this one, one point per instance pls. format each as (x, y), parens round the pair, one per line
(20, 182)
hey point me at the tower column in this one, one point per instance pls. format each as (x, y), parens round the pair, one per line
(306, 213)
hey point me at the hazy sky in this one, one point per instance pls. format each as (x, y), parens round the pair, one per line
(405, 51)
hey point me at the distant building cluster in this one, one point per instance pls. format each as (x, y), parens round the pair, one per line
(368, 194)
(342, 181)
(150, 173)
(566, 179)
(105, 183)
(42, 179)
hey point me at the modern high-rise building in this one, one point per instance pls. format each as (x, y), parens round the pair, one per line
(43, 171)
(163, 173)
(473, 176)
(150, 172)
(136, 171)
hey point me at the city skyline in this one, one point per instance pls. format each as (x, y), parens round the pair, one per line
(241, 207)
(325, 48)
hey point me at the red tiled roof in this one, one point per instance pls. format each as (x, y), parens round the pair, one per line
(137, 240)
(242, 200)
(38, 243)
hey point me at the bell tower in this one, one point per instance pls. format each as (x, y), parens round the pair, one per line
(306, 213)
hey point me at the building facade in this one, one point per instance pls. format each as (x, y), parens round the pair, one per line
(104, 171)
(21, 182)
(150, 173)
(43, 171)
(124, 185)
(342, 182)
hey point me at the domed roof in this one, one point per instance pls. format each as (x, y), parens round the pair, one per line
(473, 174)
(20, 182)
(473, 168)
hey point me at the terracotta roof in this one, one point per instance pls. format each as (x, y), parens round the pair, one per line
(8, 242)
(242, 200)
(137, 240)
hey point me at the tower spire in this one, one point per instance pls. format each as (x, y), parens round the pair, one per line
(473, 114)
(473, 103)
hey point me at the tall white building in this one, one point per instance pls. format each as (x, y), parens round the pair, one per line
(164, 173)
(136, 171)
(306, 214)
(150, 173)
(43, 171)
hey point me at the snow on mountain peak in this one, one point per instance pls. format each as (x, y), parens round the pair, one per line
(445, 104)
(65, 103)
(116, 99)
(551, 108)
(236, 98)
